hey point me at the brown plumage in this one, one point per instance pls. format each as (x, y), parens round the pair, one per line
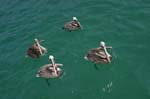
(50, 70)
(97, 55)
(72, 25)
(36, 50)
(45, 72)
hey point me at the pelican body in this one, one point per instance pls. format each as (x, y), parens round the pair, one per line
(50, 70)
(36, 50)
(45, 72)
(72, 25)
(99, 55)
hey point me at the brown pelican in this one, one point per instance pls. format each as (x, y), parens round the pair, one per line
(72, 25)
(50, 70)
(99, 55)
(36, 49)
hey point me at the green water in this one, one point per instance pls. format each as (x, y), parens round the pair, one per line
(122, 24)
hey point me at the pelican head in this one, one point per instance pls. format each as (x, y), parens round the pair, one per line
(102, 43)
(36, 39)
(74, 18)
(51, 57)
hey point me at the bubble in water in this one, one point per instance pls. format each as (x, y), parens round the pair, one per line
(104, 89)
(110, 84)
(109, 90)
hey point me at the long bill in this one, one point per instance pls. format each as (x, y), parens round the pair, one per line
(39, 47)
(107, 54)
(53, 64)
(80, 25)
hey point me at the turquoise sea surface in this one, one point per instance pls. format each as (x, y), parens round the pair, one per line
(122, 24)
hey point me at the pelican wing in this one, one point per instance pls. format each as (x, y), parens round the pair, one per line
(45, 73)
(57, 64)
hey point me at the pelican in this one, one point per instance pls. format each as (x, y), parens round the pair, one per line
(73, 25)
(36, 49)
(50, 70)
(100, 54)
